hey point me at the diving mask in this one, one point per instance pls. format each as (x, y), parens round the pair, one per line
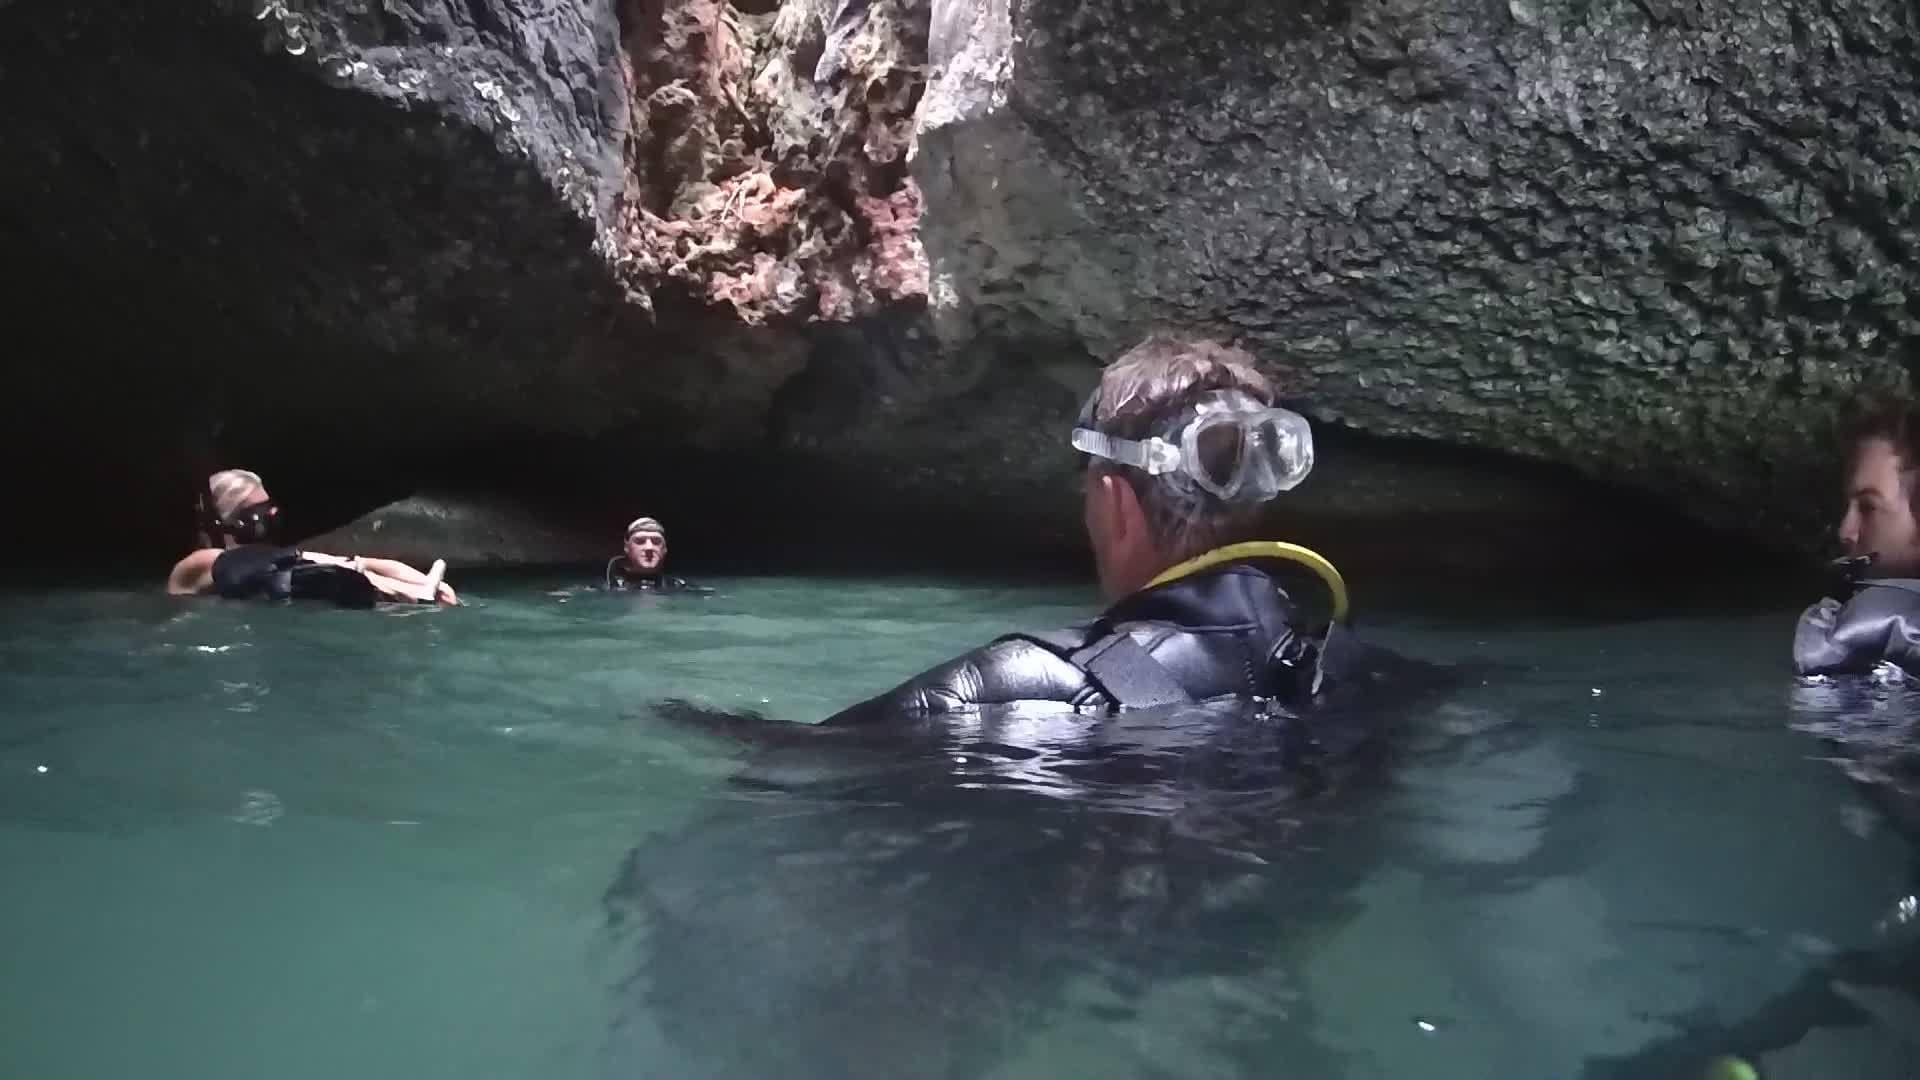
(1229, 445)
(250, 524)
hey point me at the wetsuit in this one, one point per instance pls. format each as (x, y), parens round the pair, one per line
(281, 573)
(622, 575)
(1879, 621)
(1229, 630)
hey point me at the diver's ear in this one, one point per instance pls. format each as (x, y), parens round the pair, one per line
(1126, 517)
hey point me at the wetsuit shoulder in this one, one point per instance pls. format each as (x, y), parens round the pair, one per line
(250, 569)
(1879, 622)
(1001, 672)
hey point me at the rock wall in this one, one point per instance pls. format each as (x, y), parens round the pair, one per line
(1660, 241)
(872, 251)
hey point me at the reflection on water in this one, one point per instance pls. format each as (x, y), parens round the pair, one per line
(273, 842)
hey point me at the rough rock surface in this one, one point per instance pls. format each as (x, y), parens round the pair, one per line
(466, 532)
(872, 250)
(1657, 240)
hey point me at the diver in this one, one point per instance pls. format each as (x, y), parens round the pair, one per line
(240, 557)
(641, 564)
(1185, 450)
(1875, 617)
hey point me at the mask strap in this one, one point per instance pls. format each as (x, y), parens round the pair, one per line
(1155, 457)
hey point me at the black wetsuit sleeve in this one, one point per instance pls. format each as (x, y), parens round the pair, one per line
(252, 570)
(996, 674)
(1880, 623)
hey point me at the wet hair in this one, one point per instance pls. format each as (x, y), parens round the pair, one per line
(1897, 420)
(1142, 391)
(229, 489)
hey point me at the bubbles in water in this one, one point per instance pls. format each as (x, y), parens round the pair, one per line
(1904, 919)
(259, 808)
(41, 769)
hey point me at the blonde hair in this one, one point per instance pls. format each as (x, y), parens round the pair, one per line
(230, 488)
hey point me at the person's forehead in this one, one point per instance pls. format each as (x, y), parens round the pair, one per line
(1877, 453)
(1878, 468)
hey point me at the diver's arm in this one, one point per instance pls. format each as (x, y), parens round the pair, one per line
(996, 674)
(1836, 639)
(193, 574)
(399, 571)
(392, 568)
(392, 577)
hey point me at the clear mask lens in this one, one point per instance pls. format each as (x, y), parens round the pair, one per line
(1230, 445)
(1242, 456)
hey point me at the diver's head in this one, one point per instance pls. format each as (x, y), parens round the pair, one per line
(1185, 450)
(241, 510)
(646, 544)
(1880, 515)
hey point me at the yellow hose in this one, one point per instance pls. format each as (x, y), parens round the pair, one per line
(1266, 549)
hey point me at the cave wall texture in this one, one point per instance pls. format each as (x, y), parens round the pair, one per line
(862, 256)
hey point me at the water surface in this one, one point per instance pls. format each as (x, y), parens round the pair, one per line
(251, 841)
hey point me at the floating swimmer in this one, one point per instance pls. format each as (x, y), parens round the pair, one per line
(243, 559)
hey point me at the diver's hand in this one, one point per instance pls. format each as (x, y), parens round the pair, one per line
(447, 596)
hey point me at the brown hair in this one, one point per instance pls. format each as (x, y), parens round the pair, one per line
(1147, 386)
(1897, 420)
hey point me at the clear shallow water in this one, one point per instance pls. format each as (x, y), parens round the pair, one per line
(279, 842)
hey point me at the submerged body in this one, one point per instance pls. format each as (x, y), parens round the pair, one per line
(969, 838)
(921, 893)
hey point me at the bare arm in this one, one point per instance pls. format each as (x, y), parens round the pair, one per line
(193, 574)
(392, 577)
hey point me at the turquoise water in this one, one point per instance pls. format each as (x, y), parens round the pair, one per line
(274, 842)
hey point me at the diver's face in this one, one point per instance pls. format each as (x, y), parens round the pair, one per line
(1879, 519)
(646, 550)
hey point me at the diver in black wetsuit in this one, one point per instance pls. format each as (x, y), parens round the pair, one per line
(1186, 448)
(946, 858)
(641, 566)
(241, 558)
